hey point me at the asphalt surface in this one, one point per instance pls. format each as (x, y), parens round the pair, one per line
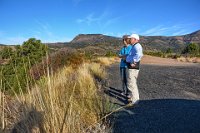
(169, 100)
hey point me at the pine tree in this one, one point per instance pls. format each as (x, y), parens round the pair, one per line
(15, 74)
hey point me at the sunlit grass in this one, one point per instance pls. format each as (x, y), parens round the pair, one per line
(107, 60)
(68, 101)
(97, 70)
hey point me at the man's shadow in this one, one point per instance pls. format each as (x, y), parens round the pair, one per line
(158, 116)
(117, 94)
(32, 120)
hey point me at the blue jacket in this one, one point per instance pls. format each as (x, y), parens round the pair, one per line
(124, 51)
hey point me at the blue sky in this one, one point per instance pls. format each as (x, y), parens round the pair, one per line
(62, 20)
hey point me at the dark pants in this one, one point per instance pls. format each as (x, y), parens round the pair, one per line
(124, 80)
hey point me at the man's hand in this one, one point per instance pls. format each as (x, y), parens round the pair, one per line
(133, 64)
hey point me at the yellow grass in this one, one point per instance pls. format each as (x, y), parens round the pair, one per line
(189, 59)
(67, 102)
(97, 70)
(107, 60)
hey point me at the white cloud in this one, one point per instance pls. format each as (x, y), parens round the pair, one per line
(102, 20)
(178, 29)
(89, 19)
(158, 30)
(181, 32)
(111, 21)
(43, 28)
(45, 34)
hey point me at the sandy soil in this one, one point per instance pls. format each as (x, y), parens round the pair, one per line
(163, 61)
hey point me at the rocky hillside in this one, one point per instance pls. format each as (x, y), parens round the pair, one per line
(177, 43)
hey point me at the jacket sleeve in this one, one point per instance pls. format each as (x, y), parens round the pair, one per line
(138, 53)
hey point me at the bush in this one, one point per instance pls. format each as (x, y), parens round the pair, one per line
(169, 51)
(192, 49)
(57, 61)
(15, 74)
(6, 53)
(110, 54)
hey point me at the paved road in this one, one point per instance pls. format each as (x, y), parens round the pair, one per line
(170, 100)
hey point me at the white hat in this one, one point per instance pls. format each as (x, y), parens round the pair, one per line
(136, 36)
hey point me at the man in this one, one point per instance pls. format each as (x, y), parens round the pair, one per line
(133, 62)
(123, 66)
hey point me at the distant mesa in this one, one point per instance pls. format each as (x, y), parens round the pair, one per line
(177, 43)
(93, 38)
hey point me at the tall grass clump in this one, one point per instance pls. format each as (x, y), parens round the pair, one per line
(97, 70)
(106, 61)
(68, 101)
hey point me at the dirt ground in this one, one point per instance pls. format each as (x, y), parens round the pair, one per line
(146, 59)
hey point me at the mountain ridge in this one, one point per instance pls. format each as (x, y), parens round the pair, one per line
(112, 43)
(155, 43)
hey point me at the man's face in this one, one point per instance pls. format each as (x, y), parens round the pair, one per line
(133, 40)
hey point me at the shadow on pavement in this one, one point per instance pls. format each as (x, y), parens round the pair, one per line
(158, 116)
(115, 93)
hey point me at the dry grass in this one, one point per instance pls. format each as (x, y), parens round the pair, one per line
(67, 102)
(189, 59)
(107, 60)
(97, 70)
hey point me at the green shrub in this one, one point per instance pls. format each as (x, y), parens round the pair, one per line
(110, 54)
(192, 49)
(56, 61)
(15, 74)
(6, 53)
(169, 51)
